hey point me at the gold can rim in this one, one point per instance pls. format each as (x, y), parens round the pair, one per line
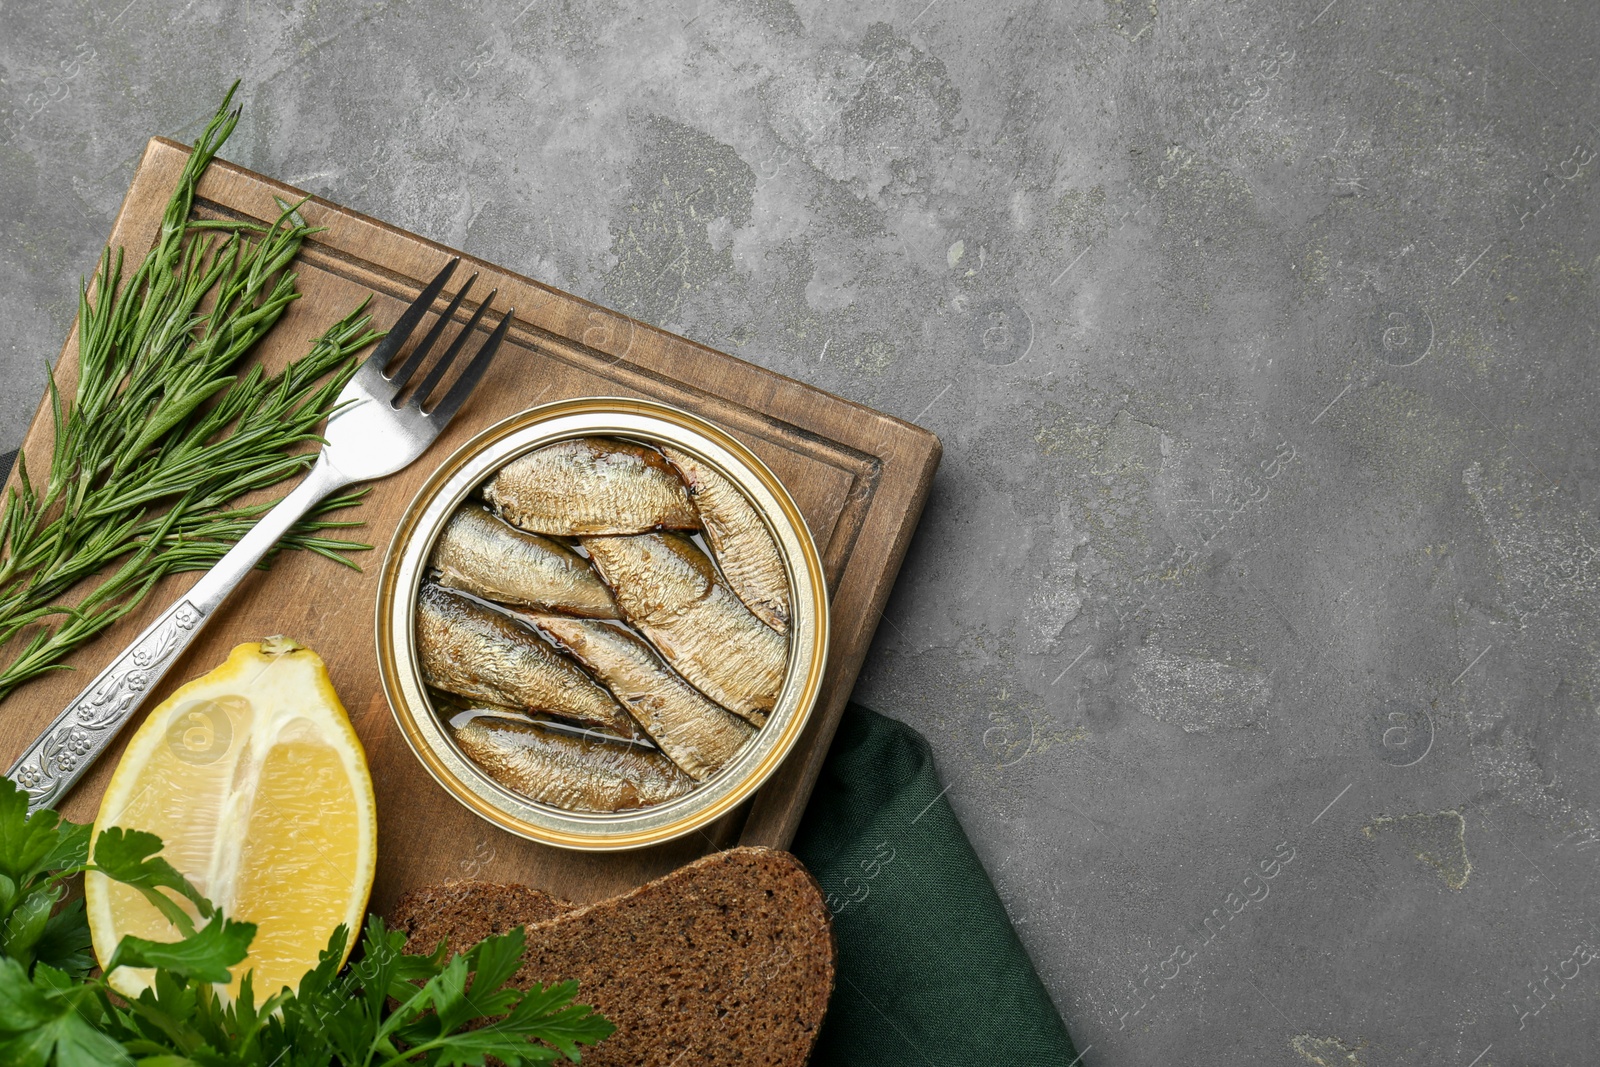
(405, 563)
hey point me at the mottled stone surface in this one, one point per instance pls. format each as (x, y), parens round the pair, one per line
(1260, 339)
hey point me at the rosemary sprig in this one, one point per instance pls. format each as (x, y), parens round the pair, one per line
(164, 433)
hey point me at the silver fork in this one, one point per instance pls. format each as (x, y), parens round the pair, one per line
(372, 434)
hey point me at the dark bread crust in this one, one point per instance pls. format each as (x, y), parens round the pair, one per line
(729, 960)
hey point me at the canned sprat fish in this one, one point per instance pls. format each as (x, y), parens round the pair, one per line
(602, 623)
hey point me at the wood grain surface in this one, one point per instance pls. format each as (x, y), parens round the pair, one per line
(861, 478)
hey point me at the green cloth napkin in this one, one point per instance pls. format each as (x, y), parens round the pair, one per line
(930, 970)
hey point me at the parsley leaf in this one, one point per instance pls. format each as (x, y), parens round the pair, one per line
(521, 1026)
(550, 1015)
(65, 943)
(36, 852)
(50, 1019)
(26, 924)
(129, 857)
(204, 956)
(30, 845)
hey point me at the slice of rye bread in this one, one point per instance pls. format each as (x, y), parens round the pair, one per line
(728, 960)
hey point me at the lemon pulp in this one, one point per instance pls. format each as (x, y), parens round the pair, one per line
(258, 788)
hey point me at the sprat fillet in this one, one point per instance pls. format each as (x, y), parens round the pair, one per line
(669, 589)
(476, 652)
(590, 485)
(745, 550)
(566, 770)
(483, 556)
(696, 734)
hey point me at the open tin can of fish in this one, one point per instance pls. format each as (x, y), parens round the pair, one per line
(432, 720)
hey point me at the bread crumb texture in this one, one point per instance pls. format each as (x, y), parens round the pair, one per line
(729, 960)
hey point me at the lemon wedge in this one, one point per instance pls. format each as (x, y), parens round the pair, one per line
(257, 786)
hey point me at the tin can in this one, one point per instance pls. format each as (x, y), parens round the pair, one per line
(406, 565)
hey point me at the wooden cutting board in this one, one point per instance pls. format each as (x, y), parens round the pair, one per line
(861, 478)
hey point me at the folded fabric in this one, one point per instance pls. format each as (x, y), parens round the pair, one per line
(930, 969)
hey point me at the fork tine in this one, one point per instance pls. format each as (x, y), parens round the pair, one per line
(414, 360)
(450, 354)
(446, 409)
(407, 322)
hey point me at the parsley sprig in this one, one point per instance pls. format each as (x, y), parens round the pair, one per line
(387, 1008)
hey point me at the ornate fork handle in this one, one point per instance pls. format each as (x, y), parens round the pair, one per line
(88, 726)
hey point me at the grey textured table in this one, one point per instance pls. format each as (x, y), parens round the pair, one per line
(1253, 618)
